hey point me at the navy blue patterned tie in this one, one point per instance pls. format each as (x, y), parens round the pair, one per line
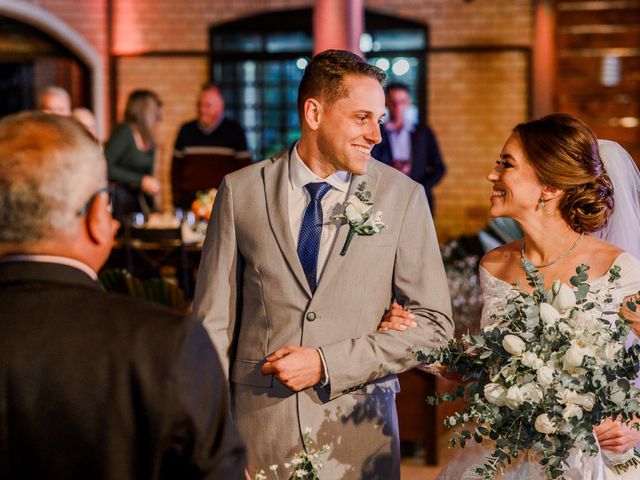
(310, 232)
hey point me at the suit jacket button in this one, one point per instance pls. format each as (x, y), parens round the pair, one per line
(311, 316)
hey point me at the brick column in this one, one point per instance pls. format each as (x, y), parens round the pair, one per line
(338, 24)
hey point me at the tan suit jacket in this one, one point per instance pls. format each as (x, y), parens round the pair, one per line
(253, 298)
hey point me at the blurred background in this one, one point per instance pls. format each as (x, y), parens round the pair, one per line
(475, 68)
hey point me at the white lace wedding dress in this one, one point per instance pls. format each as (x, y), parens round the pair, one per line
(582, 467)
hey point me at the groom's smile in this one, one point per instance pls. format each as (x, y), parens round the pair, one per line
(350, 127)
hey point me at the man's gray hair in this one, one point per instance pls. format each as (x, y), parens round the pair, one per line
(49, 168)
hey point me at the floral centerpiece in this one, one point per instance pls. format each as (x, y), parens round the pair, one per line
(548, 368)
(203, 204)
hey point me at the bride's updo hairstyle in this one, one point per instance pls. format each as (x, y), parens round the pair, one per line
(563, 151)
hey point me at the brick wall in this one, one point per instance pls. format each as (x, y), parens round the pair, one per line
(475, 99)
(475, 94)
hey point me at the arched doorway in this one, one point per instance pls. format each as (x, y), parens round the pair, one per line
(38, 49)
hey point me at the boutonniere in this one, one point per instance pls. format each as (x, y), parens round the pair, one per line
(358, 214)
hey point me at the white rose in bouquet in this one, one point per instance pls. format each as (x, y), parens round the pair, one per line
(617, 394)
(609, 351)
(586, 401)
(586, 322)
(495, 393)
(564, 299)
(570, 411)
(531, 393)
(515, 397)
(544, 424)
(574, 356)
(544, 376)
(513, 344)
(531, 360)
(549, 315)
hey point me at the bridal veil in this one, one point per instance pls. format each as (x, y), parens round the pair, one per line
(623, 229)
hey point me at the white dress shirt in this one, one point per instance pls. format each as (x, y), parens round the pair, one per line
(400, 142)
(332, 204)
(70, 262)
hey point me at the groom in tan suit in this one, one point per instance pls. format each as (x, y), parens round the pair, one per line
(294, 320)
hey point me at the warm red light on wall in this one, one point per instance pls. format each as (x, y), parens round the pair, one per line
(128, 18)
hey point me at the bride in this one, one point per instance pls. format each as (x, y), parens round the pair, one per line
(577, 202)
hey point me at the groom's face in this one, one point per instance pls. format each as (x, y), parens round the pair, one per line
(350, 127)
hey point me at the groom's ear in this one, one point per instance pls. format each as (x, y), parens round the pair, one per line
(312, 113)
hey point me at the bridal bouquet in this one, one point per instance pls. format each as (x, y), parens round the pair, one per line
(549, 367)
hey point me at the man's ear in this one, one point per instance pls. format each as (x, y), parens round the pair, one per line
(312, 113)
(100, 225)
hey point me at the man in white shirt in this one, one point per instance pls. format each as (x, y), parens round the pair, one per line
(292, 298)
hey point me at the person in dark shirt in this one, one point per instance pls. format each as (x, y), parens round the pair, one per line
(212, 128)
(205, 145)
(94, 385)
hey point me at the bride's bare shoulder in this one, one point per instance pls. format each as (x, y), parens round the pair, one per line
(606, 252)
(495, 261)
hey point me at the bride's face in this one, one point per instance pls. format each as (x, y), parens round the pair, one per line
(516, 187)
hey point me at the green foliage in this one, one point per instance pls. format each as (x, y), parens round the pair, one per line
(539, 377)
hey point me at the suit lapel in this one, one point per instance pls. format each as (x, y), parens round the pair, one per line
(334, 259)
(276, 182)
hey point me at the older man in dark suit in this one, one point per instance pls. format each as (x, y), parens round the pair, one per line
(92, 385)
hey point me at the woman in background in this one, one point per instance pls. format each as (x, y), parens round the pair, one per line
(130, 153)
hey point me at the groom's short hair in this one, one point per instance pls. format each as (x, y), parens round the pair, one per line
(323, 77)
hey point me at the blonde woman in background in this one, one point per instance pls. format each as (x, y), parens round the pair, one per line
(130, 153)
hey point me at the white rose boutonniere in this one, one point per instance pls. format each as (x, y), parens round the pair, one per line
(358, 214)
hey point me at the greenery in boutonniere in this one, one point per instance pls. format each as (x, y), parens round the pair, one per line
(358, 214)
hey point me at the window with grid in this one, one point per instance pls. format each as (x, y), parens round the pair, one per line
(258, 63)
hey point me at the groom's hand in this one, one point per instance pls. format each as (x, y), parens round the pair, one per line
(296, 367)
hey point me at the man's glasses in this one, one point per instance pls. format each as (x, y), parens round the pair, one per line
(87, 205)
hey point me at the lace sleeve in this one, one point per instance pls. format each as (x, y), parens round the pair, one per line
(495, 293)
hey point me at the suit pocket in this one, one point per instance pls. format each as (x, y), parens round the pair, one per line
(247, 372)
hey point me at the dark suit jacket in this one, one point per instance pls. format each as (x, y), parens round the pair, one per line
(99, 386)
(427, 167)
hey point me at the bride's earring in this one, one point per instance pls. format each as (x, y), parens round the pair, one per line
(541, 204)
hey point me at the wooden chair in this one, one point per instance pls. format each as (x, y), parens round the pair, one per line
(150, 249)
